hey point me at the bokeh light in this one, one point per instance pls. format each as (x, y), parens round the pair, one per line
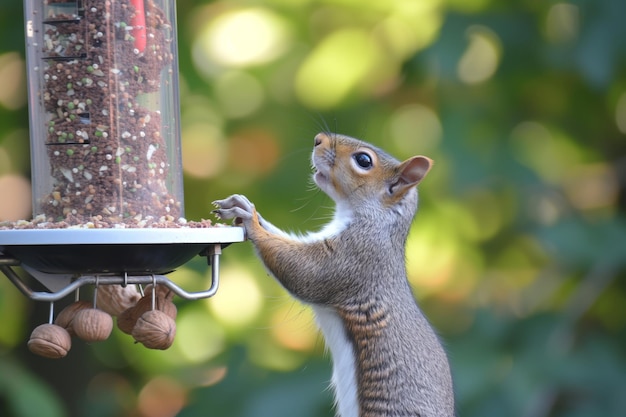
(437, 258)
(239, 93)
(415, 129)
(544, 150)
(400, 33)
(13, 76)
(253, 151)
(481, 58)
(18, 206)
(592, 186)
(239, 300)
(161, 397)
(292, 325)
(204, 150)
(241, 38)
(198, 346)
(563, 22)
(341, 64)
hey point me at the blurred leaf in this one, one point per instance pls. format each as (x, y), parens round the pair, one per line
(266, 394)
(26, 395)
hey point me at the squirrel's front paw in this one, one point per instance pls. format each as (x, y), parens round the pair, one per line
(236, 207)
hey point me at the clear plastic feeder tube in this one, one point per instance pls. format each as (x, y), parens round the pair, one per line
(104, 110)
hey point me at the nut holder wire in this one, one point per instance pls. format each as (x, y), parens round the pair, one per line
(213, 257)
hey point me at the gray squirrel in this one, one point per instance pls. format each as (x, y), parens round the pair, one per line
(387, 360)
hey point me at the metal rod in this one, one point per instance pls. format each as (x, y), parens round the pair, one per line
(214, 253)
(51, 313)
(154, 284)
(95, 292)
(5, 260)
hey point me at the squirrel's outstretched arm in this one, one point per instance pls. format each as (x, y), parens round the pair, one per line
(298, 265)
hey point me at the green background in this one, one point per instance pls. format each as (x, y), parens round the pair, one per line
(518, 252)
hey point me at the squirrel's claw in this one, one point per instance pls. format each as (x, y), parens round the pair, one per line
(235, 207)
(232, 213)
(236, 200)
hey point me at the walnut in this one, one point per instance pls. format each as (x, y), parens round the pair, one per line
(127, 319)
(50, 340)
(114, 299)
(161, 303)
(155, 330)
(92, 325)
(163, 291)
(65, 317)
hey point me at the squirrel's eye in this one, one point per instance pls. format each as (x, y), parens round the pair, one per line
(363, 160)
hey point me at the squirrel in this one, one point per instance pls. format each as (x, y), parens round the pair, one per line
(387, 359)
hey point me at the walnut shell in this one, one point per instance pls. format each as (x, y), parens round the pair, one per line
(92, 325)
(127, 319)
(155, 330)
(163, 291)
(160, 303)
(50, 340)
(65, 317)
(114, 299)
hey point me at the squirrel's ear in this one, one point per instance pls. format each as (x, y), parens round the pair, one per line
(411, 172)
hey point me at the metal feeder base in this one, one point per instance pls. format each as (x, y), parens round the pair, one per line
(63, 260)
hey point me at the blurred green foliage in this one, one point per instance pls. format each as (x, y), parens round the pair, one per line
(518, 253)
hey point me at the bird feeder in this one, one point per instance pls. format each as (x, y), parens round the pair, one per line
(105, 152)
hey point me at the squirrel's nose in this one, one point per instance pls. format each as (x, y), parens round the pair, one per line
(320, 138)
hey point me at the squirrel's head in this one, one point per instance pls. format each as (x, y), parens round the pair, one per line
(360, 175)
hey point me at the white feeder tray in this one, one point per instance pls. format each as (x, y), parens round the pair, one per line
(66, 259)
(99, 251)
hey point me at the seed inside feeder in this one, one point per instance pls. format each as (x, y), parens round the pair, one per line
(107, 94)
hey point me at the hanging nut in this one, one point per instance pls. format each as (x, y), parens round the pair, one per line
(50, 341)
(92, 325)
(65, 317)
(114, 299)
(163, 291)
(126, 320)
(155, 330)
(163, 302)
(160, 303)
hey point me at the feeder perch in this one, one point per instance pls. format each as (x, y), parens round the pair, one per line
(105, 152)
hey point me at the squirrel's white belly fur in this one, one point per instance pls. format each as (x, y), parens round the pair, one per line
(332, 327)
(344, 368)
